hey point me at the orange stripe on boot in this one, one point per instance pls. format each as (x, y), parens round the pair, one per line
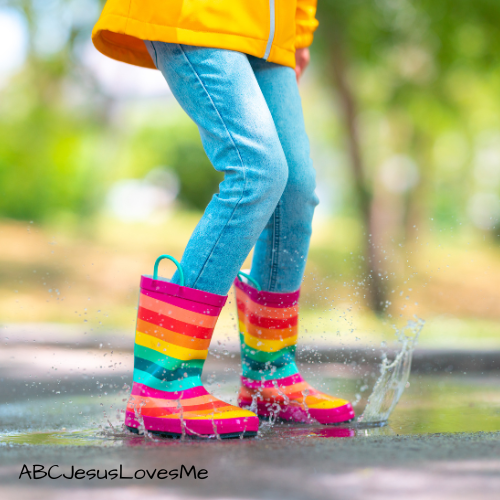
(265, 333)
(175, 338)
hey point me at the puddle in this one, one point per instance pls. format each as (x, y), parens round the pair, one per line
(89, 410)
(430, 404)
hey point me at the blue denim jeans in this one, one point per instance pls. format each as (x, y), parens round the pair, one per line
(250, 119)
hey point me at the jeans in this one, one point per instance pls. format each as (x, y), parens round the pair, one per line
(250, 119)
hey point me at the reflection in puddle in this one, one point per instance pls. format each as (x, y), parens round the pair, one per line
(109, 437)
(84, 437)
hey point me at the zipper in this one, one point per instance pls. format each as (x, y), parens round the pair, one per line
(272, 28)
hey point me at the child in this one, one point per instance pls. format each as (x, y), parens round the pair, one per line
(233, 66)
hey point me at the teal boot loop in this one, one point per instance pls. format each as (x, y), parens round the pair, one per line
(175, 261)
(249, 278)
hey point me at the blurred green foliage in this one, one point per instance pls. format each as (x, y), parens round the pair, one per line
(424, 76)
(47, 161)
(62, 149)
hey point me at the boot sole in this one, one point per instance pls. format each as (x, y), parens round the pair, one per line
(335, 416)
(174, 435)
(267, 418)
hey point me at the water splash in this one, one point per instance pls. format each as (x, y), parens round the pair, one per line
(393, 377)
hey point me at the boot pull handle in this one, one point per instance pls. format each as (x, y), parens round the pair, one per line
(175, 261)
(249, 278)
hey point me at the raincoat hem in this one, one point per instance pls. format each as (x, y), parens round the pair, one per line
(111, 31)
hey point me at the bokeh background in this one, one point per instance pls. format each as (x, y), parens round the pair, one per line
(101, 171)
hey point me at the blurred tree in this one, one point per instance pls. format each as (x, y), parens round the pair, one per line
(408, 61)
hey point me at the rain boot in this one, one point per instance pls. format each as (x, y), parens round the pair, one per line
(271, 383)
(174, 328)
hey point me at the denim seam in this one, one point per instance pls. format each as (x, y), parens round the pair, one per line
(276, 247)
(239, 156)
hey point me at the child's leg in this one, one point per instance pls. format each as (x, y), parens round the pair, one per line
(219, 91)
(281, 251)
(268, 319)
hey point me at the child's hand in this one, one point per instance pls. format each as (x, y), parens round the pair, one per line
(302, 58)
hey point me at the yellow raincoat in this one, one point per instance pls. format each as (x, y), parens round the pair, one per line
(270, 29)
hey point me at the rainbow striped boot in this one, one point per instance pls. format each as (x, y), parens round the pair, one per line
(174, 328)
(271, 382)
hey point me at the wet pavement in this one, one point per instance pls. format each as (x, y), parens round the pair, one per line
(64, 406)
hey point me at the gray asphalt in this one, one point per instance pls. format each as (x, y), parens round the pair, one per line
(431, 466)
